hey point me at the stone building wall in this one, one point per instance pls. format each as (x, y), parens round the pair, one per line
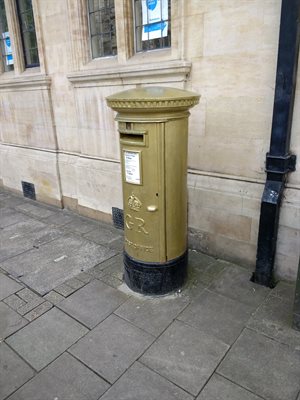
(57, 132)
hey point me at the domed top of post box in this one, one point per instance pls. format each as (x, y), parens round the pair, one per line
(153, 99)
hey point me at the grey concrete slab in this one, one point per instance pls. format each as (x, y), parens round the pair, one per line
(263, 366)
(152, 314)
(185, 356)
(274, 318)
(203, 268)
(37, 210)
(217, 315)
(12, 201)
(139, 382)
(111, 347)
(43, 340)
(59, 218)
(52, 264)
(65, 379)
(113, 265)
(234, 282)
(81, 225)
(16, 239)
(9, 216)
(103, 234)
(93, 303)
(8, 286)
(219, 388)
(14, 372)
(54, 297)
(38, 311)
(284, 290)
(10, 321)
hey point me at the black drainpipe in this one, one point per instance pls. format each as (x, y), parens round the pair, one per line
(279, 161)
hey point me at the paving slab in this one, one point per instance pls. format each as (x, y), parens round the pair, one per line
(152, 314)
(274, 318)
(43, 340)
(104, 234)
(65, 379)
(263, 366)
(8, 286)
(10, 321)
(185, 356)
(219, 388)
(204, 267)
(53, 263)
(111, 265)
(59, 218)
(14, 372)
(17, 238)
(36, 210)
(217, 315)
(93, 303)
(38, 311)
(111, 347)
(139, 382)
(284, 290)
(81, 225)
(54, 297)
(234, 282)
(12, 201)
(9, 216)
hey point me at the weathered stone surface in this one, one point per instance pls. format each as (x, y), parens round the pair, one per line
(14, 372)
(93, 303)
(38, 311)
(263, 366)
(152, 314)
(217, 315)
(36, 210)
(274, 318)
(53, 263)
(81, 225)
(139, 382)
(46, 338)
(185, 356)
(219, 388)
(8, 286)
(54, 297)
(111, 347)
(104, 234)
(10, 321)
(234, 282)
(66, 378)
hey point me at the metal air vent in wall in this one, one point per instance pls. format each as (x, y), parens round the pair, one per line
(28, 190)
(118, 217)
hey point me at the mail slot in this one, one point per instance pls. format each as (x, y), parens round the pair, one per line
(153, 133)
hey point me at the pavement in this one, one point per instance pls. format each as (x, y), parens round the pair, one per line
(71, 329)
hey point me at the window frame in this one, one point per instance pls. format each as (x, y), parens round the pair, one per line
(161, 40)
(19, 14)
(99, 34)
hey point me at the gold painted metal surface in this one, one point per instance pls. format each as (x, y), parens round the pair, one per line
(153, 129)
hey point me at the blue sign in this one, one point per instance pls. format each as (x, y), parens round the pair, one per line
(151, 4)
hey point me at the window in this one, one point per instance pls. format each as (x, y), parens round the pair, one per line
(152, 25)
(102, 28)
(5, 44)
(28, 35)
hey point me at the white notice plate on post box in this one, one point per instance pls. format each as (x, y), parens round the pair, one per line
(132, 164)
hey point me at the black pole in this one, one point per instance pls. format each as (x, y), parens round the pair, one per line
(279, 161)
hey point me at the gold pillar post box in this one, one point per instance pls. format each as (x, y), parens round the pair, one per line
(153, 129)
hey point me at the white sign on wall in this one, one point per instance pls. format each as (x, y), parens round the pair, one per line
(7, 48)
(155, 19)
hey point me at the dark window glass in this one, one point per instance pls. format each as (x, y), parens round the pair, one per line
(27, 29)
(102, 28)
(152, 24)
(5, 44)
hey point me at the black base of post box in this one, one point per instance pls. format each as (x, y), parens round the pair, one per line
(155, 278)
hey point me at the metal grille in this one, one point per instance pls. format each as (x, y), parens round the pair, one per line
(102, 28)
(143, 29)
(28, 35)
(5, 46)
(28, 190)
(118, 217)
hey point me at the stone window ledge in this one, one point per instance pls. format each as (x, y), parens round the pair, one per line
(170, 71)
(26, 82)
